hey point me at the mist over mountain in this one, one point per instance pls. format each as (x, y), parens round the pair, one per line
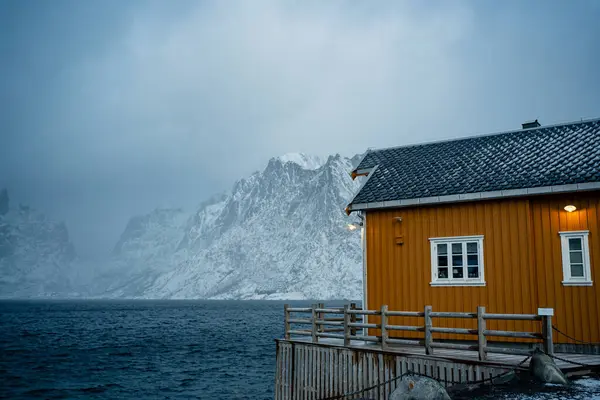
(36, 255)
(279, 233)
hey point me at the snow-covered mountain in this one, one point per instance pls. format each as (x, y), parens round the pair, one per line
(36, 256)
(279, 233)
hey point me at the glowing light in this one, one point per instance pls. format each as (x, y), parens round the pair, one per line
(352, 227)
(570, 208)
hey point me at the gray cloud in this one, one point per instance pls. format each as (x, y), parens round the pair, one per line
(148, 103)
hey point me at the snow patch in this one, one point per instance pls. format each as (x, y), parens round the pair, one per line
(306, 161)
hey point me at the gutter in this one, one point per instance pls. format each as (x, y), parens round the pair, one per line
(478, 196)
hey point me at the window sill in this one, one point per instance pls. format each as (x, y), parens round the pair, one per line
(575, 283)
(457, 283)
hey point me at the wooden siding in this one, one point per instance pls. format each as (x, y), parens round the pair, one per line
(522, 261)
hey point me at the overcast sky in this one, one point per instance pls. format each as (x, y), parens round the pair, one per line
(111, 108)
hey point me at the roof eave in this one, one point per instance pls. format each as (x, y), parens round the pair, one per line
(457, 198)
(369, 172)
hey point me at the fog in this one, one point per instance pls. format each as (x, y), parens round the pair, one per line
(110, 108)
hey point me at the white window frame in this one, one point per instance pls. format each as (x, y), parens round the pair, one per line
(568, 280)
(465, 281)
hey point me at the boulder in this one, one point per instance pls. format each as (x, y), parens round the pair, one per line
(416, 387)
(543, 369)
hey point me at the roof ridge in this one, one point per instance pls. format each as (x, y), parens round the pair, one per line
(582, 121)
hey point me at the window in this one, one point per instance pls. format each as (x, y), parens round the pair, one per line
(457, 261)
(576, 258)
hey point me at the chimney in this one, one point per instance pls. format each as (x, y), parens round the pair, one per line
(531, 124)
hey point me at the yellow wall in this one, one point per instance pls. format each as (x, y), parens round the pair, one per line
(522, 261)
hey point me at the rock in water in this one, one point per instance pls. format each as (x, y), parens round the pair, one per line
(543, 369)
(415, 387)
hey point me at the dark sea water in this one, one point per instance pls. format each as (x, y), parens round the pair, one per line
(138, 349)
(161, 350)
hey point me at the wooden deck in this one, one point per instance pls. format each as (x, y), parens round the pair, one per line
(342, 351)
(592, 362)
(310, 370)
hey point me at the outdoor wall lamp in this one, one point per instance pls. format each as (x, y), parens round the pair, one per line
(354, 226)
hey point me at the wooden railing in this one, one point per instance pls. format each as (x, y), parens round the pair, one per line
(344, 323)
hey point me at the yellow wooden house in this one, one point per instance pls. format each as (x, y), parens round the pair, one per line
(509, 221)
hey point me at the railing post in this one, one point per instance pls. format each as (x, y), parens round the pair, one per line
(320, 317)
(347, 331)
(481, 339)
(384, 332)
(315, 338)
(547, 333)
(428, 325)
(353, 319)
(286, 317)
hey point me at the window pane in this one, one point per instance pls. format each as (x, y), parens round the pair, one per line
(456, 248)
(457, 272)
(577, 270)
(442, 248)
(576, 257)
(473, 272)
(442, 261)
(472, 259)
(457, 260)
(443, 273)
(574, 243)
(472, 247)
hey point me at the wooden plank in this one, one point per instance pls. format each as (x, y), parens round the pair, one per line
(296, 372)
(409, 342)
(300, 310)
(278, 371)
(527, 317)
(381, 375)
(345, 371)
(347, 331)
(459, 331)
(300, 333)
(454, 346)
(504, 350)
(297, 321)
(289, 372)
(452, 315)
(366, 338)
(331, 372)
(481, 339)
(330, 323)
(513, 334)
(405, 328)
(361, 325)
(364, 312)
(330, 310)
(331, 335)
(315, 338)
(371, 373)
(384, 333)
(405, 314)
(547, 335)
(286, 317)
(428, 325)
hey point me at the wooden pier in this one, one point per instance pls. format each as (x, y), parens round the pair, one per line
(336, 351)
